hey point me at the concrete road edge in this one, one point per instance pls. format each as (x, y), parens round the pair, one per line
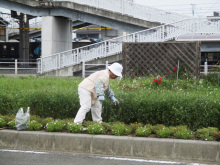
(141, 147)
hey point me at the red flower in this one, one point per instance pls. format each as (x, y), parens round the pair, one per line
(142, 84)
(175, 68)
(132, 76)
(158, 81)
(169, 72)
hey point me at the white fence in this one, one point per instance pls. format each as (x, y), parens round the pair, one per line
(114, 46)
(133, 9)
(84, 67)
(208, 68)
(16, 66)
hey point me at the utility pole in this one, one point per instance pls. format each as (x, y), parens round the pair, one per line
(193, 9)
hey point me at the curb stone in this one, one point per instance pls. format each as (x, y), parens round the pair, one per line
(146, 148)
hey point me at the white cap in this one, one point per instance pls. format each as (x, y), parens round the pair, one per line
(116, 68)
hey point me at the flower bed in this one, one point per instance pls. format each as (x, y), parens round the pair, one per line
(115, 128)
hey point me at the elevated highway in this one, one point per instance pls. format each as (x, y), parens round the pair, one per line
(81, 12)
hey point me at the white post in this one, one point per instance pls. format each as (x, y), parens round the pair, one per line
(163, 33)
(177, 77)
(105, 53)
(206, 68)
(133, 37)
(41, 65)
(106, 64)
(16, 66)
(77, 53)
(83, 69)
(59, 61)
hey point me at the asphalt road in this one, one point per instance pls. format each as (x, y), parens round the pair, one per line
(18, 157)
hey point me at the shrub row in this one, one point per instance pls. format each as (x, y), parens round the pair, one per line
(141, 100)
(116, 128)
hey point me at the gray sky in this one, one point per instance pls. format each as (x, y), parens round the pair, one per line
(202, 8)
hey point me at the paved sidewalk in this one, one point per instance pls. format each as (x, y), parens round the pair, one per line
(122, 146)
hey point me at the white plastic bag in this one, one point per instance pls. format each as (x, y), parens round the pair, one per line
(21, 119)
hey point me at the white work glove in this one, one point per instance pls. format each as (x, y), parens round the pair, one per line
(101, 98)
(114, 100)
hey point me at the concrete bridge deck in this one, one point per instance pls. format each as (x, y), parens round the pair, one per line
(81, 12)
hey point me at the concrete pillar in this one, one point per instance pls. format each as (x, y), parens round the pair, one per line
(56, 35)
(24, 38)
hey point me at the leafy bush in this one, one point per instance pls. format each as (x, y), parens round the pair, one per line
(87, 123)
(36, 118)
(11, 124)
(119, 129)
(34, 125)
(74, 127)
(54, 126)
(135, 126)
(143, 131)
(163, 133)
(217, 135)
(96, 128)
(169, 103)
(157, 127)
(183, 134)
(47, 120)
(149, 126)
(8, 118)
(2, 122)
(212, 130)
(107, 126)
(206, 133)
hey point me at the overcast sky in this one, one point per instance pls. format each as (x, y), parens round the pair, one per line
(202, 8)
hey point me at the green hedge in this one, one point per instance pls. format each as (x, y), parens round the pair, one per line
(187, 103)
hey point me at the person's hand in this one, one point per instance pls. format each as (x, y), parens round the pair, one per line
(101, 98)
(114, 100)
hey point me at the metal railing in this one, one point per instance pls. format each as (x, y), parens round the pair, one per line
(133, 9)
(18, 66)
(84, 67)
(114, 46)
(208, 68)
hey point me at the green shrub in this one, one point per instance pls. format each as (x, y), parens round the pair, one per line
(8, 118)
(149, 126)
(212, 130)
(143, 131)
(36, 118)
(119, 129)
(2, 122)
(206, 133)
(34, 125)
(135, 126)
(74, 127)
(107, 126)
(169, 103)
(87, 123)
(172, 130)
(157, 127)
(163, 133)
(96, 128)
(54, 126)
(11, 124)
(217, 135)
(47, 120)
(183, 134)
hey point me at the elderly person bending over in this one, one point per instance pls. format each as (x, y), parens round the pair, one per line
(93, 89)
